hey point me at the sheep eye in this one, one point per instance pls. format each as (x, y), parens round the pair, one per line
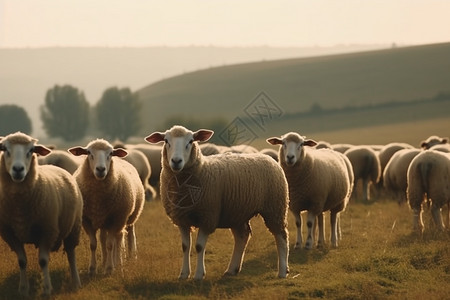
(167, 142)
(190, 143)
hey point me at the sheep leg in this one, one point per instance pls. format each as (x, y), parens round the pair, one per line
(437, 217)
(93, 246)
(76, 283)
(44, 256)
(24, 286)
(334, 218)
(202, 237)
(131, 239)
(311, 219)
(281, 239)
(365, 190)
(417, 219)
(103, 235)
(117, 250)
(298, 224)
(338, 223)
(186, 246)
(241, 237)
(321, 240)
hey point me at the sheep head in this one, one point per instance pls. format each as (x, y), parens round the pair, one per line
(432, 141)
(18, 149)
(178, 143)
(291, 146)
(99, 155)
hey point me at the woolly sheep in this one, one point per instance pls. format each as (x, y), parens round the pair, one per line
(40, 205)
(271, 152)
(140, 162)
(243, 148)
(153, 154)
(322, 145)
(432, 141)
(441, 147)
(61, 159)
(366, 168)
(319, 180)
(395, 173)
(220, 191)
(341, 147)
(386, 153)
(209, 149)
(113, 200)
(428, 179)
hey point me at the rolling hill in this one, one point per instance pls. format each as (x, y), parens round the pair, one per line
(365, 79)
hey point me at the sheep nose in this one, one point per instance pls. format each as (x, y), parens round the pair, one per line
(176, 162)
(18, 169)
(290, 158)
(100, 169)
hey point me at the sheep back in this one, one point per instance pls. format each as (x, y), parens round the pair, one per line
(225, 191)
(365, 163)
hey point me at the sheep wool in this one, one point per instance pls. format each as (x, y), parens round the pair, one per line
(40, 205)
(319, 180)
(113, 200)
(220, 191)
(428, 180)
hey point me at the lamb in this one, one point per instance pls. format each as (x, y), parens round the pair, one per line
(220, 191)
(40, 205)
(395, 173)
(113, 201)
(432, 141)
(366, 168)
(428, 179)
(319, 180)
(60, 159)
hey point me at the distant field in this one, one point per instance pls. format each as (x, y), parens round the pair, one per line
(296, 85)
(378, 258)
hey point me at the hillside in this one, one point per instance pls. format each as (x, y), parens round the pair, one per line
(297, 85)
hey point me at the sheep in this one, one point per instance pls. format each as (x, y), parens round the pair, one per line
(319, 180)
(341, 147)
(366, 168)
(441, 147)
(113, 201)
(209, 149)
(428, 178)
(220, 191)
(153, 154)
(243, 148)
(432, 141)
(395, 173)
(140, 162)
(322, 145)
(386, 153)
(271, 152)
(40, 205)
(61, 159)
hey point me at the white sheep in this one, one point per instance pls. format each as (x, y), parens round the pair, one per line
(270, 152)
(40, 205)
(153, 154)
(433, 140)
(61, 159)
(341, 147)
(395, 173)
(428, 180)
(366, 168)
(386, 153)
(113, 200)
(319, 180)
(220, 191)
(209, 149)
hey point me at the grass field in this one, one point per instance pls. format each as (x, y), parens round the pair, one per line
(379, 257)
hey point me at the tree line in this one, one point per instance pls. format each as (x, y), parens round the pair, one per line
(66, 114)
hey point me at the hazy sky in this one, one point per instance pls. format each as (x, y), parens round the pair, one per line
(43, 23)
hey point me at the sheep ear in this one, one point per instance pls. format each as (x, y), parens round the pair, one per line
(424, 145)
(274, 141)
(119, 152)
(310, 143)
(77, 151)
(156, 137)
(202, 135)
(444, 140)
(41, 150)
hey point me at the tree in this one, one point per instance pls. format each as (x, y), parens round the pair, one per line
(14, 118)
(65, 113)
(118, 113)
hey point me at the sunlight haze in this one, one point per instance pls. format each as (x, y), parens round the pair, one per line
(138, 23)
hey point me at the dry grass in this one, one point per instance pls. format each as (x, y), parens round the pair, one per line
(378, 258)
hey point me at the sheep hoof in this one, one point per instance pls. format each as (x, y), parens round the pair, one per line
(308, 246)
(298, 246)
(228, 273)
(183, 276)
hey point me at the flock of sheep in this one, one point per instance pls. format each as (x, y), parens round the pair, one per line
(47, 195)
